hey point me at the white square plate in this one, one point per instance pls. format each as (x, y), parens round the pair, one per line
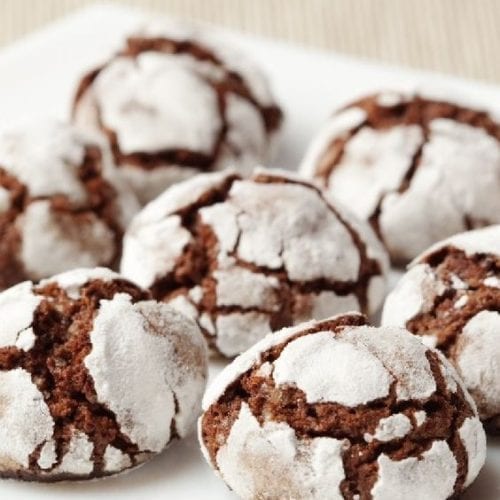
(38, 76)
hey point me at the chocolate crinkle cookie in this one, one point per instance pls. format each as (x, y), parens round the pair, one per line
(95, 377)
(62, 203)
(176, 101)
(420, 170)
(337, 409)
(245, 257)
(450, 297)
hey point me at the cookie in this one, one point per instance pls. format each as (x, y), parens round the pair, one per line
(175, 101)
(420, 170)
(62, 203)
(245, 257)
(450, 297)
(95, 377)
(336, 409)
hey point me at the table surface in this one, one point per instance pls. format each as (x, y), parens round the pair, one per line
(38, 78)
(453, 36)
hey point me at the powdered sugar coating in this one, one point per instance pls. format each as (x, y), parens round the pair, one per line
(420, 417)
(236, 331)
(154, 251)
(180, 94)
(78, 458)
(138, 383)
(26, 339)
(72, 281)
(268, 246)
(17, 307)
(475, 351)
(403, 357)
(144, 83)
(474, 441)
(48, 455)
(23, 414)
(478, 360)
(147, 364)
(74, 202)
(115, 460)
(272, 451)
(44, 232)
(416, 179)
(389, 428)
(492, 281)
(430, 477)
(257, 454)
(253, 288)
(332, 383)
(48, 147)
(186, 370)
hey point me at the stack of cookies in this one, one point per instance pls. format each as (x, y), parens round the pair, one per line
(141, 242)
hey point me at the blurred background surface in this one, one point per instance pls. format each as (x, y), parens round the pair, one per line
(460, 37)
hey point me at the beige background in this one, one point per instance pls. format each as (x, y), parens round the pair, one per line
(455, 36)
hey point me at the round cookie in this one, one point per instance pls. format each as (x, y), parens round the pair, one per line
(176, 101)
(450, 296)
(62, 203)
(245, 257)
(337, 409)
(420, 170)
(95, 378)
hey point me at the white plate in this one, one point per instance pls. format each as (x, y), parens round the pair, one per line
(38, 75)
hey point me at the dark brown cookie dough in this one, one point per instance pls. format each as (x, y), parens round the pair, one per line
(287, 419)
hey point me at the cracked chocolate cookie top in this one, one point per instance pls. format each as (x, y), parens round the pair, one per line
(245, 257)
(62, 203)
(95, 377)
(336, 409)
(176, 101)
(450, 296)
(419, 170)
